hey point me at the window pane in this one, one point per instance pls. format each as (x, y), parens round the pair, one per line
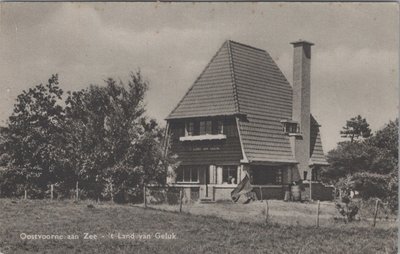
(195, 174)
(179, 175)
(225, 175)
(202, 127)
(278, 179)
(219, 129)
(186, 175)
(190, 128)
(233, 175)
(208, 127)
(229, 174)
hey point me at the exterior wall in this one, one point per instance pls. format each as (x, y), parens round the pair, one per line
(269, 192)
(211, 152)
(222, 192)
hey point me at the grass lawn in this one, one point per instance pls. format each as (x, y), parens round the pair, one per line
(286, 213)
(194, 233)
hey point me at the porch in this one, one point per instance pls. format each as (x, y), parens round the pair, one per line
(216, 182)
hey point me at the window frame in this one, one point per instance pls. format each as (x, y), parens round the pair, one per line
(291, 127)
(191, 169)
(204, 127)
(229, 168)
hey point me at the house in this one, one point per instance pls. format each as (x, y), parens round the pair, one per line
(242, 116)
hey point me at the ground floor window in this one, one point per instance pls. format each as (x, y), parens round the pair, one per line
(266, 175)
(315, 174)
(187, 174)
(229, 174)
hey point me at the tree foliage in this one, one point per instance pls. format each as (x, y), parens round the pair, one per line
(369, 166)
(35, 137)
(355, 128)
(98, 136)
(112, 142)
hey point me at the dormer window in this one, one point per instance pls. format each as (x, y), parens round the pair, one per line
(189, 128)
(290, 127)
(206, 127)
(203, 129)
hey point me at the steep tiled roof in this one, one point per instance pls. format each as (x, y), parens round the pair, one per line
(317, 153)
(265, 97)
(244, 80)
(213, 92)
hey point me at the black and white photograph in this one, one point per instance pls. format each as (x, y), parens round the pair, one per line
(199, 127)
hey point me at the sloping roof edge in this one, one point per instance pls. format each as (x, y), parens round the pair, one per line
(312, 162)
(233, 76)
(226, 43)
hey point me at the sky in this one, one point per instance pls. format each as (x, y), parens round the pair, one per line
(354, 69)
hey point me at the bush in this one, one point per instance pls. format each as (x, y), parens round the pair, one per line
(371, 185)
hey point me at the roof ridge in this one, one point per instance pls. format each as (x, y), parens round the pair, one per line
(248, 46)
(198, 77)
(233, 76)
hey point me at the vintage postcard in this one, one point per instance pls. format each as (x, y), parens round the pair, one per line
(230, 127)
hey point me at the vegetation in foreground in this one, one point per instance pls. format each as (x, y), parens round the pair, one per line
(195, 234)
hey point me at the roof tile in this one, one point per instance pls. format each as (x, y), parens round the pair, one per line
(246, 80)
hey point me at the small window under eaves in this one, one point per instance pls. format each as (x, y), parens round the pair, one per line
(290, 127)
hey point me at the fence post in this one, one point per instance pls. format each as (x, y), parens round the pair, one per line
(77, 191)
(112, 193)
(180, 199)
(144, 196)
(25, 194)
(376, 211)
(317, 221)
(266, 211)
(51, 192)
(261, 195)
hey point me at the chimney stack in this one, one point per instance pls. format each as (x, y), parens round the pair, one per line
(301, 103)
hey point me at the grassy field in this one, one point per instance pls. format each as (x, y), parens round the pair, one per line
(286, 213)
(194, 233)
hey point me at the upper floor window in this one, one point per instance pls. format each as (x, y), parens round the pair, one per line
(190, 128)
(204, 127)
(290, 127)
(207, 129)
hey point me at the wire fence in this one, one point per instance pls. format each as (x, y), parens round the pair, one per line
(186, 199)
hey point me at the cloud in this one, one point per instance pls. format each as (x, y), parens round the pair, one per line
(354, 66)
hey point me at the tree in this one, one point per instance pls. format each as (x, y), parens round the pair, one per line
(35, 137)
(370, 165)
(111, 141)
(101, 137)
(355, 128)
(387, 139)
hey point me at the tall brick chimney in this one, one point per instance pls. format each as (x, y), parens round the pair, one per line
(301, 104)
